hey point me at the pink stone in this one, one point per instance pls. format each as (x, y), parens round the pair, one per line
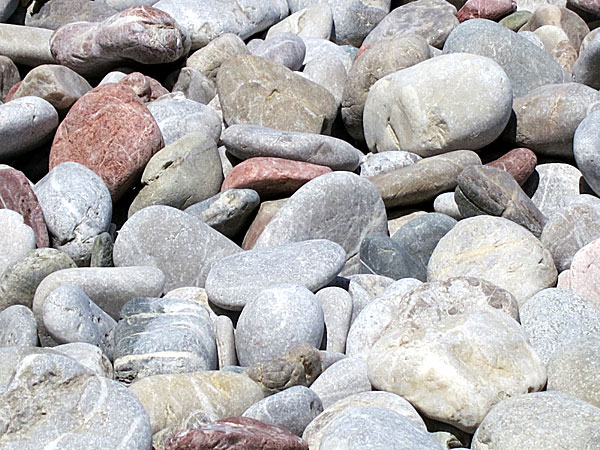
(16, 194)
(110, 131)
(583, 277)
(485, 9)
(361, 50)
(272, 177)
(519, 162)
(147, 88)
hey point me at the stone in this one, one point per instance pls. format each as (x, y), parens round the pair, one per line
(141, 34)
(225, 340)
(17, 240)
(108, 287)
(337, 311)
(89, 356)
(548, 420)
(18, 327)
(585, 148)
(325, 49)
(407, 111)
(555, 318)
(208, 59)
(276, 320)
(19, 282)
(250, 141)
(510, 50)
(9, 76)
(196, 295)
(16, 194)
(26, 123)
(102, 250)
(496, 250)
(292, 409)
(380, 59)
(177, 116)
(507, 365)
(567, 20)
(179, 244)
(342, 379)
(272, 177)
(485, 9)
(423, 180)
(315, 21)
(162, 336)
(584, 69)
(431, 19)
(283, 48)
(77, 207)
(445, 204)
(582, 275)
(574, 369)
(234, 281)
(378, 163)
(228, 212)
(280, 98)
(547, 117)
(195, 85)
(26, 45)
(237, 433)
(519, 162)
(69, 315)
(183, 173)
(98, 134)
(7, 8)
(59, 85)
(381, 255)
(364, 288)
(487, 190)
(220, 394)
(265, 213)
(147, 88)
(55, 13)
(516, 20)
(328, 73)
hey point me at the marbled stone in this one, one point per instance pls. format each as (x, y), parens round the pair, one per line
(208, 59)
(582, 277)
(519, 162)
(485, 9)
(89, 356)
(179, 244)
(16, 241)
(18, 327)
(315, 21)
(342, 379)
(585, 148)
(337, 311)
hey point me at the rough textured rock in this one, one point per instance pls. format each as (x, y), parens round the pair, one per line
(17, 241)
(519, 162)
(18, 327)
(208, 59)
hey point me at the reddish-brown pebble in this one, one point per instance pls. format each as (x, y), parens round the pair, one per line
(519, 162)
(265, 213)
(485, 9)
(147, 88)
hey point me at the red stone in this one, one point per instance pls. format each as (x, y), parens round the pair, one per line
(236, 433)
(16, 194)
(519, 162)
(485, 9)
(110, 131)
(147, 88)
(272, 177)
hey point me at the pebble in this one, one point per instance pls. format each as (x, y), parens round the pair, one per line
(446, 204)
(485, 9)
(9, 76)
(265, 213)
(18, 327)
(55, 13)
(89, 356)
(569, 21)
(342, 379)
(377, 163)
(584, 68)
(584, 150)
(519, 162)
(17, 240)
(102, 250)
(225, 340)
(208, 59)
(337, 311)
(195, 86)
(381, 255)
(315, 21)
(286, 49)
(581, 276)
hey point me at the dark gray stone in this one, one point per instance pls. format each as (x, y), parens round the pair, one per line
(585, 69)
(381, 255)
(102, 250)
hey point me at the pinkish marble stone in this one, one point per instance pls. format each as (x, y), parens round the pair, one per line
(110, 131)
(16, 194)
(485, 9)
(147, 88)
(272, 177)
(519, 162)
(583, 277)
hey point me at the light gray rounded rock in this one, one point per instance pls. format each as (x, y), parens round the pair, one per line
(429, 108)
(234, 281)
(208, 60)
(225, 340)
(179, 244)
(286, 49)
(18, 327)
(89, 356)
(585, 149)
(55, 13)
(377, 163)
(25, 123)
(77, 207)
(314, 21)
(17, 240)
(328, 73)
(276, 320)
(292, 409)
(323, 49)
(364, 288)
(445, 204)
(337, 310)
(342, 379)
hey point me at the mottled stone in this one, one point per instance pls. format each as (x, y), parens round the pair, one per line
(377, 163)
(519, 162)
(342, 379)
(89, 356)
(77, 207)
(16, 241)
(582, 277)
(9, 76)
(147, 88)
(337, 311)
(265, 213)
(208, 59)
(485, 9)
(423, 180)
(18, 327)
(585, 149)
(179, 244)
(142, 34)
(496, 250)
(102, 249)
(315, 21)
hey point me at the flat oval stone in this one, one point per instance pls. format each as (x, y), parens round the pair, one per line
(496, 250)
(16, 194)
(276, 320)
(208, 59)
(98, 133)
(17, 240)
(77, 207)
(342, 379)
(234, 281)
(585, 148)
(519, 162)
(485, 9)
(179, 244)
(25, 123)
(581, 276)
(18, 327)
(249, 141)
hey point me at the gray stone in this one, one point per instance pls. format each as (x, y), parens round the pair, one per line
(162, 336)
(337, 310)
(7, 8)
(445, 204)
(276, 320)
(527, 66)
(373, 427)
(378, 163)
(208, 19)
(548, 420)
(52, 400)
(179, 244)
(227, 212)
(17, 241)
(77, 208)
(58, 85)
(208, 59)
(554, 318)
(364, 288)
(197, 295)
(381, 255)
(516, 20)
(183, 173)
(429, 108)
(195, 85)
(380, 59)
(249, 141)
(18, 327)
(26, 45)
(292, 409)
(328, 73)
(585, 149)
(177, 116)
(25, 123)
(585, 69)
(547, 117)
(53, 14)
(89, 356)
(496, 250)
(315, 21)
(9, 76)
(324, 49)
(19, 281)
(339, 206)
(283, 48)
(102, 250)
(280, 98)
(69, 315)
(342, 379)
(225, 340)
